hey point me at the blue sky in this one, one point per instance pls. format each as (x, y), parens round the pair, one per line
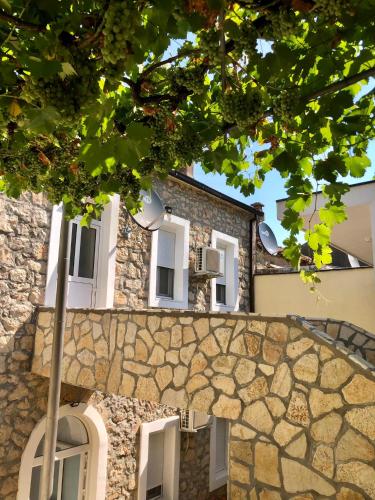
(272, 189)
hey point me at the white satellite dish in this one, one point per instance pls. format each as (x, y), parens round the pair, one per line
(268, 238)
(151, 215)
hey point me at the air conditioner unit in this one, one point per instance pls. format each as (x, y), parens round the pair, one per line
(192, 421)
(209, 262)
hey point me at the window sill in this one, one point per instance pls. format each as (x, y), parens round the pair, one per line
(223, 308)
(168, 303)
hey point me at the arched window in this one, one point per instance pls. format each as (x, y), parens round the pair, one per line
(80, 458)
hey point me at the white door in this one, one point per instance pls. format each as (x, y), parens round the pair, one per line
(83, 264)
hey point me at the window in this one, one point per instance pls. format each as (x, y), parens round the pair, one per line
(169, 267)
(224, 290)
(80, 457)
(92, 259)
(218, 453)
(159, 462)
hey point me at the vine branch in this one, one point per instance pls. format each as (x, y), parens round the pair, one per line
(19, 23)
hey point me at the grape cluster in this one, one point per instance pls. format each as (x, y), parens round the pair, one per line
(246, 42)
(189, 147)
(242, 108)
(192, 79)
(67, 95)
(284, 105)
(119, 28)
(332, 8)
(166, 133)
(210, 44)
(283, 23)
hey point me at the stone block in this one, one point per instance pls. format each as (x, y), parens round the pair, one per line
(164, 376)
(186, 353)
(180, 374)
(196, 382)
(275, 405)
(157, 356)
(226, 407)
(352, 446)
(223, 336)
(239, 473)
(241, 450)
(323, 460)
(278, 331)
(198, 364)
(258, 417)
(224, 384)
(224, 364)
(245, 371)
(202, 327)
(359, 474)
(335, 373)
(176, 399)
(209, 346)
(360, 390)
(253, 344)
(321, 403)
(203, 399)
(255, 390)
(306, 368)
(266, 459)
(284, 432)
(298, 478)
(271, 352)
(282, 381)
(298, 447)
(298, 411)
(242, 432)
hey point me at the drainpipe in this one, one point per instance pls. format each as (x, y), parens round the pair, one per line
(252, 258)
(48, 467)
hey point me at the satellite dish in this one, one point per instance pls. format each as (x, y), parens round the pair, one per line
(268, 238)
(151, 215)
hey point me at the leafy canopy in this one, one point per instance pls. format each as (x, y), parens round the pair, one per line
(98, 97)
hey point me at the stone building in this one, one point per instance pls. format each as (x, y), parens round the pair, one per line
(292, 400)
(115, 264)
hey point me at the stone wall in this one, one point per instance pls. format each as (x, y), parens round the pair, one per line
(302, 405)
(352, 337)
(205, 213)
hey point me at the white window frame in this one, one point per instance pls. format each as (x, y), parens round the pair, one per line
(181, 228)
(106, 264)
(97, 449)
(171, 470)
(231, 246)
(216, 480)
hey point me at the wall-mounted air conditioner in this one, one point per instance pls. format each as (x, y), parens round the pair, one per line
(209, 262)
(192, 421)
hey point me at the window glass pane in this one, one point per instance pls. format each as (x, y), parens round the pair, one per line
(155, 460)
(35, 480)
(166, 249)
(70, 481)
(72, 249)
(164, 282)
(220, 294)
(87, 253)
(70, 432)
(221, 445)
(223, 257)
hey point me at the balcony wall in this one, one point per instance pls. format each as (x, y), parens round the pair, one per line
(302, 407)
(347, 295)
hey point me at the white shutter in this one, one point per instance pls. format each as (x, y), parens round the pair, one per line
(166, 249)
(155, 460)
(222, 280)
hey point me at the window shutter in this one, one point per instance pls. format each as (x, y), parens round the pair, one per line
(221, 445)
(222, 280)
(166, 249)
(155, 460)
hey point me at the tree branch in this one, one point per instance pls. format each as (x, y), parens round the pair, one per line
(15, 21)
(158, 64)
(341, 84)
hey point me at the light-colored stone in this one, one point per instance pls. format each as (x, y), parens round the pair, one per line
(186, 353)
(266, 369)
(86, 342)
(86, 357)
(127, 385)
(136, 368)
(266, 459)
(198, 364)
(282, 381)
(202, 400)
(294, 333)
(196, 382)
(326, 429)
(298, 411)
(306, 368)
(360, 390)
(239, 473)
(237, 493)
(147, 389)
(242, 432)
(147, 339)
(321, 403)
(177, 399)
(257, 326)
(358, 473)
(162, 338)
(255, 390)
(335, 373)
(297, 348)
(157, 356)
(276, 406)
(241, 450)
(258, 417)
(245, 371)
(325, 353)
(253, 343)
(172, 357)
(298, 447)
(153, 323)
(363, 419)
(176, 336)
(227, 407)
(167, 322)
(215, 322)
(224, 384)
(202, 327)
(86, 378)
(323, 460)
(285, 432)
(115, 373)
(101, 348)
(209, 346)
(278, 331)
(224, 364)
(223, 336)
(237, 346)
(186, 320)
(240, 325)
(353, 446)
(271, 352)
(130, 333)
(188, 335)
(163, 376)
(180, 374)
(307, 479)
(269, 495)
(140, 353)
(348, 494)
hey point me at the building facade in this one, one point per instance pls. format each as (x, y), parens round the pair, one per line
(130, 447)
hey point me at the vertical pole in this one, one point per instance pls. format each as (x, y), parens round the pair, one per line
(252, 263)
(46, 485)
